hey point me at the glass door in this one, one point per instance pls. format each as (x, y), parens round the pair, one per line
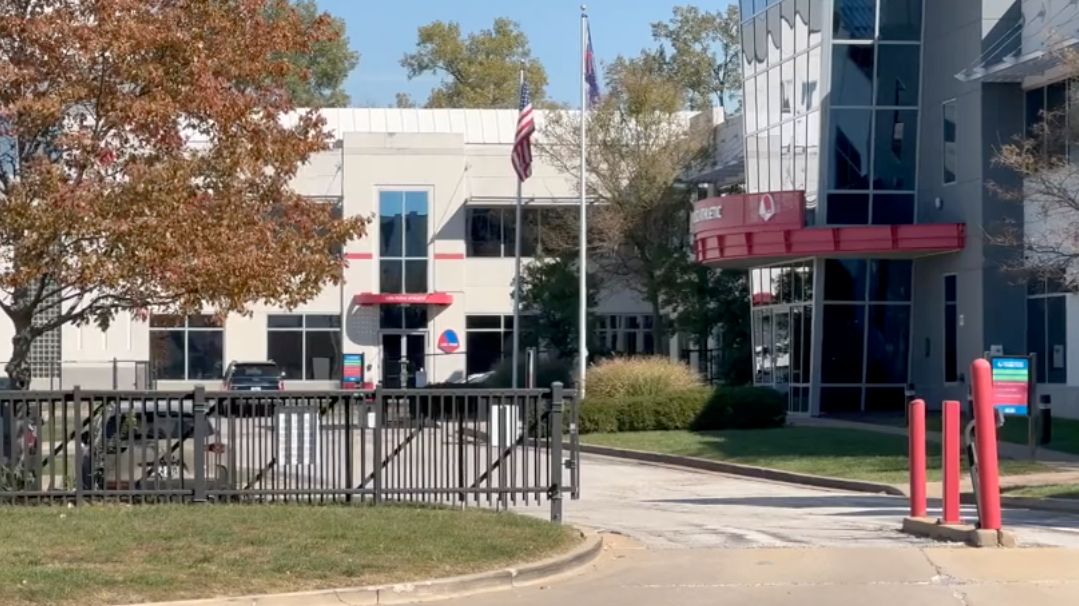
(402, 353)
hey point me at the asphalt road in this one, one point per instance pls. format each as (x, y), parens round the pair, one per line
(688, 538)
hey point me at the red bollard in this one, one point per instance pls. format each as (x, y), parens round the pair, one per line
(951, 440)
(985, 429)
(917, 459)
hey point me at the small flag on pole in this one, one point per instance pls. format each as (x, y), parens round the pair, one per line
(590, 74)
(522, 143)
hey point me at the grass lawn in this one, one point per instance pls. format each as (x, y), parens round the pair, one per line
(1065, 432)
(1052, 491)
(117, 555)
(841, 453)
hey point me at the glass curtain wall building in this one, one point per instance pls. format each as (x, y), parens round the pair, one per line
(842, 75)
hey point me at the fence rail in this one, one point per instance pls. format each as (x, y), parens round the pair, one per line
(472, 447)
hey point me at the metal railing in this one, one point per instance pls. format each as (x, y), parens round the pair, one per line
(467, 447)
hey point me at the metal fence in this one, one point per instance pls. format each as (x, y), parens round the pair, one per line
(468, 447)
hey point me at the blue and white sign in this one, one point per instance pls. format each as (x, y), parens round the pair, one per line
(449, 342)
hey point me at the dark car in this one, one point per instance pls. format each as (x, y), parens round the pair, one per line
(252, 377)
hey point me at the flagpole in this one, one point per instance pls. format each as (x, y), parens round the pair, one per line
(517, 273)
(582, 320)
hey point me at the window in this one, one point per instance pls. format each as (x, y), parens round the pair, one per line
(187, 348)
(848, 209)
(951, 330)
(492, 231)
(949, 152)
(854, 19)
(851, 135)
(900, 19)
(844, 280)
(306, 347)
(629, 335)
(852, 74)
(403, 241)
(897, 77)
(842, 347)
(1047, 328)
(489, 340)
(895, 156)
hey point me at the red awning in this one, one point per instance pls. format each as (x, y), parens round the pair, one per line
(431, 298)
(763, 247)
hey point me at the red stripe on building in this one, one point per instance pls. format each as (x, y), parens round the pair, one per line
(359, 256)
(449, 256)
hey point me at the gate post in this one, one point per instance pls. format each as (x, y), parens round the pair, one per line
(199, 436)
(985, 435)
(951, 445)
(554, 440)
(917, 459)
(377, 445)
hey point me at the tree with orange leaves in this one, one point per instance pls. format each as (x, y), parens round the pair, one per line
(146, 151)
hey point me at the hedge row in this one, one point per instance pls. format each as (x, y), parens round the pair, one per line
(699, 409)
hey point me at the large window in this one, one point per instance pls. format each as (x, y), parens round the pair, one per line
(950, 137)
(492, 231)
(951, 329)
(1047, 330)
(489, 340)
(186, 348)
(629, 335)
(782, 327)
(306, 347)
(865, 346)
(403, 241)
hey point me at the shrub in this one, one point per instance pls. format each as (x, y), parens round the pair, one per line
(643, 413)
(640, 377)
(699, 409)
(742, 408)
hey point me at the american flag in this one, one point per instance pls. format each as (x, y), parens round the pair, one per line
(522, 143)
(590, 74)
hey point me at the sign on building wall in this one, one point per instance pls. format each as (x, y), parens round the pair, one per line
(449, 342)
(352, 371)
(297, 436)
(1011, 384)
(765, 211)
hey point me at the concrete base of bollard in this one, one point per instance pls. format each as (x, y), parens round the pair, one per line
(958, 533)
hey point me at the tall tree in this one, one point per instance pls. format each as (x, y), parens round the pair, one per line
(481, 69)
(701, 50)
(145, 162)
(550, 290)
(1042, 230)
(325, 65)
(707, 304)
(641, 145)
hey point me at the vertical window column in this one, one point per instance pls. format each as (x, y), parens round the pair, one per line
(951, 329)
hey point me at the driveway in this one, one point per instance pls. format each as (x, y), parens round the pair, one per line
(694, 538)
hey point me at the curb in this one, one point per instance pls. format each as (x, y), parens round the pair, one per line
(749, 471)
(422, 591)
(957, 533)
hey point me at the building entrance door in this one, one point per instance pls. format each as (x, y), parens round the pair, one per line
(403, 353)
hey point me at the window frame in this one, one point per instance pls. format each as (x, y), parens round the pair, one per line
(950, 103)
(303, 330)
(404, 258)
(954, 304)
(186, 329)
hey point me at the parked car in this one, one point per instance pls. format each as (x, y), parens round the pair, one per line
(254, 376)
(149, 446)
(248, 377)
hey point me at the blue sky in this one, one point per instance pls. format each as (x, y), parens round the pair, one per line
(384, 34)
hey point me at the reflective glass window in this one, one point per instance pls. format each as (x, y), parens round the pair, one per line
(895, 159)
(897, 74)
(842, 343)
(849, 143)
(848, 209)
(893, 209)
(854, 19)
(844, 280)
(852, 74)
(900, 19)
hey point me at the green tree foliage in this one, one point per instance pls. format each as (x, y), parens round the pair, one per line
(481, 69)
(640, 147)
(550, 290)
(701, 51)
(701, 300)
(327, 64)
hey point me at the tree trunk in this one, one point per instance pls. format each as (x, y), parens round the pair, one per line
(18, 366)
(659, 329)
